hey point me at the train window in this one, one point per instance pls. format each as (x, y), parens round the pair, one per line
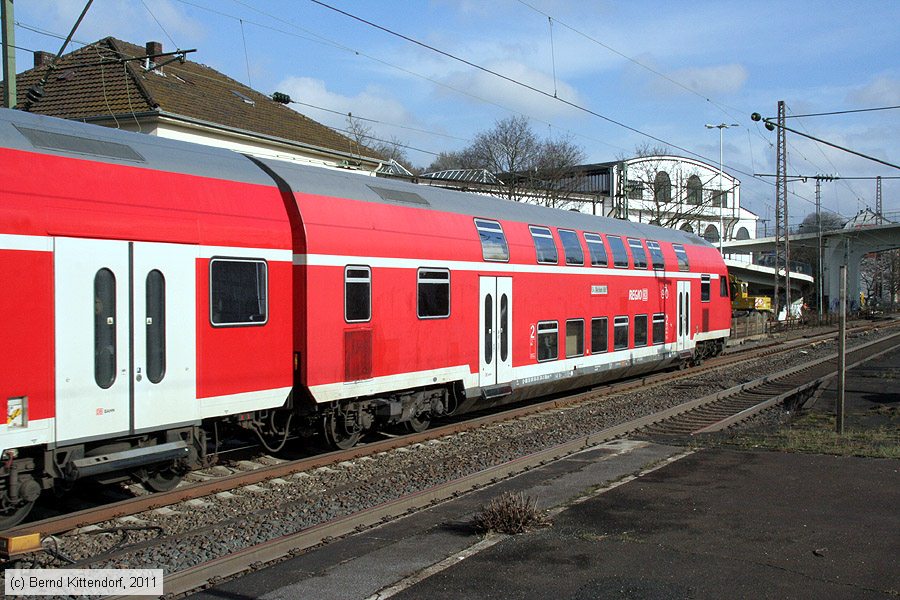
(620, 254)
(723, 286)
(704, 288)
(620, 333)
(571, 247)
(104, 328)
(547, 340)
(659, 328)
(493, 242)
(357, 294)
(238, 292)
(656, 255)
(596, 250)
(599, 335)
(544, 245)
(433, 294)
(637, 253)
(574, 338)
(681, 255)
(640, 330)
(156, 326)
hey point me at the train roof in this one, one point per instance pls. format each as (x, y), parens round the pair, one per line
(51, 135)
(37, 133)
(324, 182)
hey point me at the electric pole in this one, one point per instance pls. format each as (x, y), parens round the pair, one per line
(9, 53)
(782, 235)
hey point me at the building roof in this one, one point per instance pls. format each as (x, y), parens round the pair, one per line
(94, 83)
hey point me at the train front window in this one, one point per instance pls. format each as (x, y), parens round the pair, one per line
(620, 254)
(493, 242)
(544, 246)
(238, 292)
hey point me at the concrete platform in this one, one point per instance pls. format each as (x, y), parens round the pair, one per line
(709, 524)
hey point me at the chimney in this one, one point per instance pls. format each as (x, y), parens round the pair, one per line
(42, 59)
(152, 48)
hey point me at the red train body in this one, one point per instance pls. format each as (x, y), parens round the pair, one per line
(154, 289)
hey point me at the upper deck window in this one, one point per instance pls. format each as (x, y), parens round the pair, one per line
(656, 255)
(682, 257)
(637, 253)
(571, 247)
(493, 242)
(620, 254)
(544, 245)
(596, 249)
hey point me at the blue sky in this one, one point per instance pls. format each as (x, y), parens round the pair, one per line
(662, 68)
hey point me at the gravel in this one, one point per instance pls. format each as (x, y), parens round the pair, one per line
(197, 531)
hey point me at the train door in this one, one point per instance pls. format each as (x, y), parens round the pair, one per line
(125, 336)
(683, 317)
(495, 330)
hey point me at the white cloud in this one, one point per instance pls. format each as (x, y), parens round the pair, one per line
(371, 103)
(124, 19)
(715, 80)
(883, 90)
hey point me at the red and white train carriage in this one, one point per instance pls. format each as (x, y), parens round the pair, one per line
(153, 289)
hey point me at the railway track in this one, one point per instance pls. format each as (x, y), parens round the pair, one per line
(703, 414)
(218, 480)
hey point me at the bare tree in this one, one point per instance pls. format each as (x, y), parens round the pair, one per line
(365, 142)
(531, 169)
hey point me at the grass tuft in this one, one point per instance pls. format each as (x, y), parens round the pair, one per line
(509, 513)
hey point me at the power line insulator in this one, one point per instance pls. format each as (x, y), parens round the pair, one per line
(281, 98)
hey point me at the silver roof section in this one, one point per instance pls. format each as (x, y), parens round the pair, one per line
(338, 184)
(50, 135)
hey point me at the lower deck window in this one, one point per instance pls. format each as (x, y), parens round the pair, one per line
(357, 294)
(547, 340)
(640, 330)
(620, 333)
(599, 335)
(704, 288)
(238, 292)
(574, 338)
(659, 328)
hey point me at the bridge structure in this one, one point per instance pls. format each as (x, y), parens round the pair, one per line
(839, 247)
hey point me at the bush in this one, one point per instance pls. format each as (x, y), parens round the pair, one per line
(509, 513)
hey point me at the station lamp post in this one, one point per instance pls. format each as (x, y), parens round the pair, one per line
(720, 127)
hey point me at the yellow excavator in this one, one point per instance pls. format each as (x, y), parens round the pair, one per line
(741, 300)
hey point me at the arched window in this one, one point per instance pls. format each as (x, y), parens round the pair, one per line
(662, 188)
(742, 234)
(687, 227)
(711, 234)
(694, 190)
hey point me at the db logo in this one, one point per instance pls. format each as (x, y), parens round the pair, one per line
(99, 412)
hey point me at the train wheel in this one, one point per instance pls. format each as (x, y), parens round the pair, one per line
(418, 423)
(341, 430)
(10, 516)
(160, 480)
